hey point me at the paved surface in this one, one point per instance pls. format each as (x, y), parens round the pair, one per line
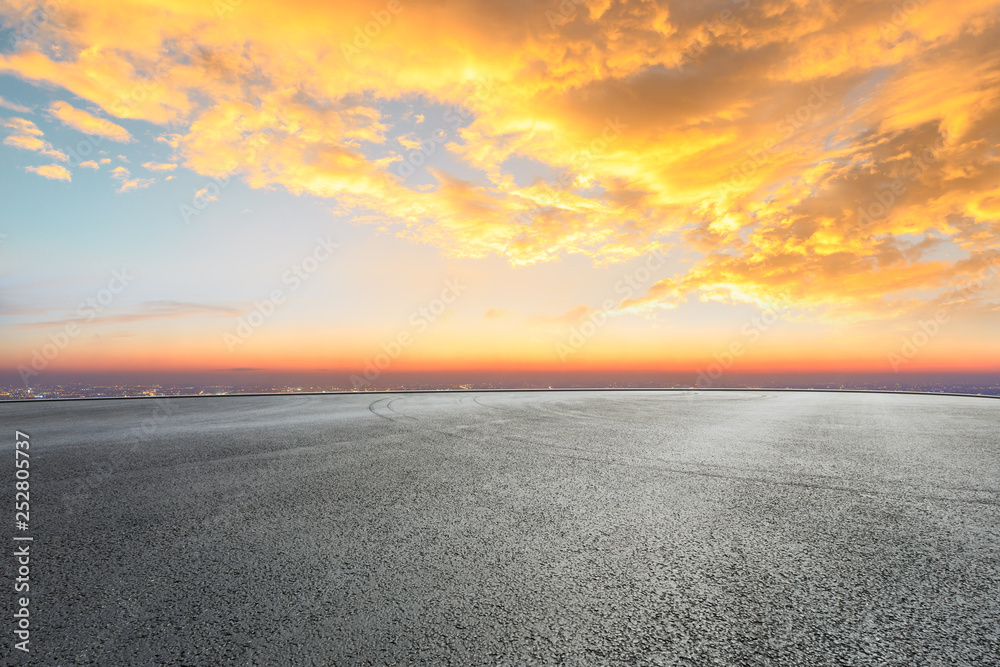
(600, 528)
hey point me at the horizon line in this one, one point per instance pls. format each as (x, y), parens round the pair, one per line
(467, 391)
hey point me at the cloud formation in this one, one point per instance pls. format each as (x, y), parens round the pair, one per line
(26, 136)
(53, 172)
(127, 183)
(14, 106)
(147, 310)
(88, 123)
(159, 166)
(835, 156)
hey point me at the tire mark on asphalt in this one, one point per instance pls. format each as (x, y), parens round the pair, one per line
(389, 407)
(763, 480)
(371, 408)
(708, 471)
(475, 399)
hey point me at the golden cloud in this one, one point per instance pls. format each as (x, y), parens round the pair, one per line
(87, 123)
(836, 156)
(27, 136)
(52, 171)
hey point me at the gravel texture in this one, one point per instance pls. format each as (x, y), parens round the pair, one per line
(514, 528)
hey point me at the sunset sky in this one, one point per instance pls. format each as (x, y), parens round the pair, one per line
(758, 185)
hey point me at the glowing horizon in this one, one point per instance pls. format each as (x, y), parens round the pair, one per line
(543, 187)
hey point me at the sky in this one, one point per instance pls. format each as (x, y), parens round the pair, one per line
(362, 189)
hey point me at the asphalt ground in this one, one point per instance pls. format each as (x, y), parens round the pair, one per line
(574, 528)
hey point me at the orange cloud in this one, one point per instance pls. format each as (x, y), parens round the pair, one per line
(27, 136)
(87, 123)
(837, 157)
(52, 171)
